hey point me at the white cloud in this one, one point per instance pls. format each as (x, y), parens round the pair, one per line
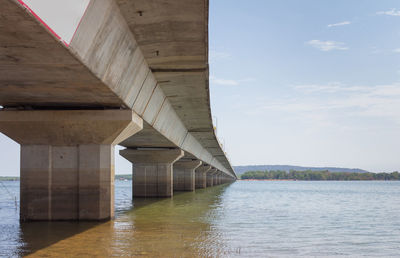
(391, 12)
(389, 90)
(397, 50)
(333, 87)
(228, 82)
(335, 122)
(327, 45)
(339, 24)
(334, 101)
(381, 101)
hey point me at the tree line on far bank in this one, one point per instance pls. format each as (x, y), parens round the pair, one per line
(9, 178)
(310, 175)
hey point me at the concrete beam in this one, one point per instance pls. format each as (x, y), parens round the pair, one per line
(177, 56)
(152, 171)
(67, 160)
(184, 175)
(107, 65)
(122, 66)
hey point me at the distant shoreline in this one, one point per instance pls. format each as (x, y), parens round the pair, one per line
(310, 175)
(9, 178)
(272, 180)
(314, 180)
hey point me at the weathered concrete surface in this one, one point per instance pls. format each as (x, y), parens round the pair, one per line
(69, 127)
(173, 36)
(36, 70)
(201, 176)
(184, 175)
(67, 160)
(139, 87)
(109, 64)
(152, 171)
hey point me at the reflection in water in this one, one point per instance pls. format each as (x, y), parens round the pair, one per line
(39, 235)
(245, 219)
(154, 227)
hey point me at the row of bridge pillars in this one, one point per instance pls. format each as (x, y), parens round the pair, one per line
(160, 172)
(67, 163)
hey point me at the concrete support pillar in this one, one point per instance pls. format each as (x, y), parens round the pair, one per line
(184, 177)
(219, 178)
(210, 177)
(152, 172)
(201, 176)
(225, 179)
(67, 160)
(215, 181)
(229, 179)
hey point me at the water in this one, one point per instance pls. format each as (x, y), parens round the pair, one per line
(244, 219)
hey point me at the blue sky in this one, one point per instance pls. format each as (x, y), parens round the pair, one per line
(311, 82)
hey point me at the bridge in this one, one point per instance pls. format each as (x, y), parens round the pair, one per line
(78, 77)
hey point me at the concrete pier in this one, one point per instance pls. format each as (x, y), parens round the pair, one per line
(214, 179)
(184, 174)
(201, 176)
(152, 170)
(223, 179)
(218, 178)
(67, 160)
(210, 177)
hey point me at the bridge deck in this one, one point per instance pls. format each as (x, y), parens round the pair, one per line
(170, 41)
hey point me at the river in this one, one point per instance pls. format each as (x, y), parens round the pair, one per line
(243, 219)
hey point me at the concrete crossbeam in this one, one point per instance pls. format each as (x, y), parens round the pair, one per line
(214, 178)
(152, 171)
(210, 177)
(184, 175)
(67, 160)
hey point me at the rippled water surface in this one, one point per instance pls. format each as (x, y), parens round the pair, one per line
(244, 219)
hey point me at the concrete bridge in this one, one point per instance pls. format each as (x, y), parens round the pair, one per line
(78, 77)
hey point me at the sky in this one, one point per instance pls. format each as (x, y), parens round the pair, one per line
(311, 82)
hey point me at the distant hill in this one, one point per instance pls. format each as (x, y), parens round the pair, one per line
(242, 169)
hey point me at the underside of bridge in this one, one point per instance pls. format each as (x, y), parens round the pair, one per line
(136, 74)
